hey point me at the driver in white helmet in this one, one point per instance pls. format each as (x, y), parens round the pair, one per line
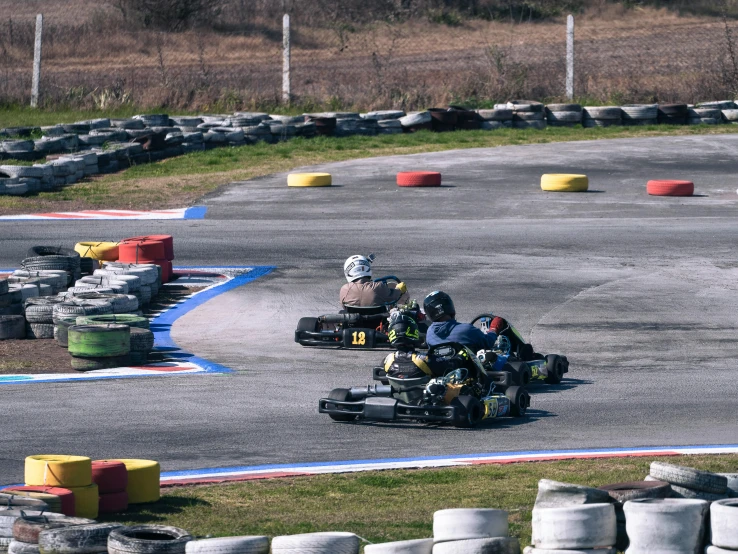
(361, 291)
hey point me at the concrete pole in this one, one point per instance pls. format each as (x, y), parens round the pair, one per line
(286, 89)
(37, 61)
(570, 57)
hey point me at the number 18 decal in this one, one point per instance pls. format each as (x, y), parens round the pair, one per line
(359, 338)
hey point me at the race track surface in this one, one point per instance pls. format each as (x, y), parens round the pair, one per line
(639, 292)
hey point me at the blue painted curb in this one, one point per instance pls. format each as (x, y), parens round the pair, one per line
(195, 212)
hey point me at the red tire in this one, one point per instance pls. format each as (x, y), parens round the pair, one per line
(166, 240)
(418, 179)
(113, 502)
(134, 251)
(110, 476)
(66, 497)
(670, 188)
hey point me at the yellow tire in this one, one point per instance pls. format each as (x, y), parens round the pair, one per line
(143, 481)
(562, 182)
(86, 501)
(309, 180)
(58, 471)
(105, 251)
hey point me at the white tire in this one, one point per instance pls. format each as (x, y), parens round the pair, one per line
(732, 483)
(415, 119)
(689, 477)
(574, 527)
(418, 546)
(665, 525)
(316, 543)
(712, 549)
(724, 523)
(532, 550)
(469, 523)
(497, 545)
(553, 494)
(229, 545)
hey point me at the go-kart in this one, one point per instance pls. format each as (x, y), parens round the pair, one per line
(460, 391)
(512, 355)
(356, 327)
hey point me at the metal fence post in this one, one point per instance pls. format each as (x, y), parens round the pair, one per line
(37, 61)
(570, 57)
(286, 90)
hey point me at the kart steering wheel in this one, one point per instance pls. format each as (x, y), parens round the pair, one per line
(387, 278)
(482, 322)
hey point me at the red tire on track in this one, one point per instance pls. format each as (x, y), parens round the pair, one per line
(670, 188)
(66, 497)
(110, 476)
(166, 240)
(418, 179)
(113, 503)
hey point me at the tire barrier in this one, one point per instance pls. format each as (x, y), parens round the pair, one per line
(497, 545)
(99, 341)
(102, 251)
(111, 478)
(309, 180)
(12, 327)
(27, 529)
(689, 477)
(670, 188)
(148, 539)
(665, 525)
(122, 319)
(554, 494)
(18, 547)
(143, 480)
(724, 524)
(136, 250)
(58, 471)
(8, 518)
(469, 523)
(336, 543)
(732, 479)
(562, 182)
(77, 539)
(93, 364)
(583, 526)
(230, 545)
(166, 240)
(13, 501)
(418, 179)
(58, 499)
(86, 500)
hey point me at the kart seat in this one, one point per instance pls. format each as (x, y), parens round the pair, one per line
(402, 385)
(367, 310)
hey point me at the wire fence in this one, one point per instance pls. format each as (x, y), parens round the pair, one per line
(92, 59)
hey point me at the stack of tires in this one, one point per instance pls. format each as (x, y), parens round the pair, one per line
(723, 527)
(100, 251)
(39, 314)
(687, 482)
(673, 114)
(111, 478)
(141, 338)
(99, 346)
(145, 284)
(144, 478)
(564, 115)
(669, 525)
(73, 473)
(28, 528)
(11, 500)
(640, 114)
(57, 499)
(572, 517)
(149, 539)
(526, 114)
(704, 116)
(150, 249)
(55, 279)
(601, 116)
(43, 258)
(316, 543)
(12, 322)
(499, 118)
(472, 530)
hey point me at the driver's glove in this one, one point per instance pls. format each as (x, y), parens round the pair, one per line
(402, 287)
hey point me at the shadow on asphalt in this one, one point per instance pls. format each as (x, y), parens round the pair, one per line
(566, 384)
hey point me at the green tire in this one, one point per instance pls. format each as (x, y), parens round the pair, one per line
(91, 364)
(123, 319)
(99, 341)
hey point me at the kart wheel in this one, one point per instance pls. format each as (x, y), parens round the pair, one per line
(522, 373)
(342, 395)
(525, 352)
(519, 400)
(470, 411)
(308, 324)
(554, 369)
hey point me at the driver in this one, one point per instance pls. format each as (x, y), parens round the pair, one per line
(405, 363)
(361, 291)
(440, 309)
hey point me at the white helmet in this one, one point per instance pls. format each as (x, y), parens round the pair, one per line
(357, 267)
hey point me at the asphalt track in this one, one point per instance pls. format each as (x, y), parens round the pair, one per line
(639, 292)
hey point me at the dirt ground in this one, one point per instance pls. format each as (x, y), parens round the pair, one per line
(46, 356)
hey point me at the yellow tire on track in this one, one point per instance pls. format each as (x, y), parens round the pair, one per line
(58, 471)
(86, 501)
(309, 180)
(105, 251)
(143, 481)
(563, 182)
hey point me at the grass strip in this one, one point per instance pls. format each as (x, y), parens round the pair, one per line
(181, 181)
(384, 506)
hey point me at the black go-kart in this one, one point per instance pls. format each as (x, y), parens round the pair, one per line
(460, 392)
(356, 327)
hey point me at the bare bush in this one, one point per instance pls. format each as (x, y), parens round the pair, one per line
(169, 15)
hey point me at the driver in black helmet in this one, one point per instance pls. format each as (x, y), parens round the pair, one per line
(405, 363)
(439, 308)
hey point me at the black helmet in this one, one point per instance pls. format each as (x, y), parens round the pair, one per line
(438, 304)
(403, 331)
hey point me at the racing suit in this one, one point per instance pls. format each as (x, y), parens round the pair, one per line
(406, 365)
(463, 333)
(365, 293)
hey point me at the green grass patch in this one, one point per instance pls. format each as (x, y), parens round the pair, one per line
(388, 505)
(181, 181)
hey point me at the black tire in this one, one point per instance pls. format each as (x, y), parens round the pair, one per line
(525, 352)
(341, 395)
(521, 372)
(148, 539)
(554, 369)
(308, 324)
(470, 411)
(12, 327)
(519, 400)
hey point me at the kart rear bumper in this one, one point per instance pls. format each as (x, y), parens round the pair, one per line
(378, 408)
(352, 337)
